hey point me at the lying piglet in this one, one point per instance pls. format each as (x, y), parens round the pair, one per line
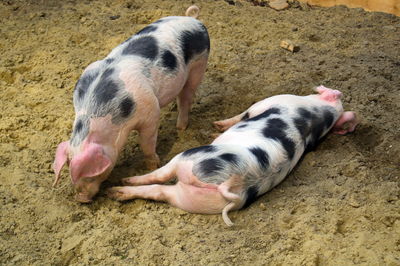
(125, 91)
(257, 151)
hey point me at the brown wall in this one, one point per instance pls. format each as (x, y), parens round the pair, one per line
(388, 6)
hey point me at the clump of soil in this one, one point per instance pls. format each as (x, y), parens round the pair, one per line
(340, 206)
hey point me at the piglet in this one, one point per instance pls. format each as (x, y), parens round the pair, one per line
(125, 91)
(255, 153)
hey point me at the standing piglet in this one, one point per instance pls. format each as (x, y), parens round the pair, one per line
(125, 91)
(257, 151)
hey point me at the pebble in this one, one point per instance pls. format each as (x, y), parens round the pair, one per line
(290, 46)
(353, 202)
(115, 17)
(278, 4)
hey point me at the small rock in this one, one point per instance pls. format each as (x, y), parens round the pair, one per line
(288, 45)
(354, 202)
(115, 17)
(231, 2)
(278, 4)
(263, 207)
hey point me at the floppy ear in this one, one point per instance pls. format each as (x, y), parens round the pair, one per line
(91, 162)
(60, 160)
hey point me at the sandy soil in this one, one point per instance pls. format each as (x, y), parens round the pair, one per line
(340, 206)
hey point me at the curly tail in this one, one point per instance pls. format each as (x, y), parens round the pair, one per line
(193, 11)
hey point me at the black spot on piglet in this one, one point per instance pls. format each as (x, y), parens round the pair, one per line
(328, 118)
(84, 82)
(168, 60)
(126, 107)
(107, 88)
(302, 126)
(109, 60)
(145, 46)
(147, 29)
(251, 196)
(304, 113)
(194, 42)
(78, 126)
(230, 158)
(210, 166)
(261, 155)
(206, 148)
(275, 130)
(267, 113)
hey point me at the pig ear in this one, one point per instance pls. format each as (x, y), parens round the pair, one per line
(61, 159)
(91, 162)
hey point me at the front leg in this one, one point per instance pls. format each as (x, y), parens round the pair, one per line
(148, 140)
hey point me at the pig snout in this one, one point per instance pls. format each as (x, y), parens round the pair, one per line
(87, 188)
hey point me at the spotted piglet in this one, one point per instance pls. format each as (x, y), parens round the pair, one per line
(255, 153)
(125, 91)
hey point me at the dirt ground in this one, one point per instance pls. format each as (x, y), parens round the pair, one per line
(340, 206)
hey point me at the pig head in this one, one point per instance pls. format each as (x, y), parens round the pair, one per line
(91, 161)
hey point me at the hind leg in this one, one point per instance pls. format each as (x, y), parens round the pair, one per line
(346, 123)
(153, 192)
(161, 175)
(185, 97)
(224, 125)
(186, 197)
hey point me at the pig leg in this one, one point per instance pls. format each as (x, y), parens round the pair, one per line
(184, 196)
(162, 175)
(224, 125)
(154, 192)
(346, 123)
(185, 97)
(148, 140)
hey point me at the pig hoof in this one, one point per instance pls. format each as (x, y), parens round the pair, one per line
(116, 193)
(181, 126)
(153, 164)
(128, 181)
(220, 126)
(152, 161)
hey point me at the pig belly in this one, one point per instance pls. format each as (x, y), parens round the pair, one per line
(198, 199)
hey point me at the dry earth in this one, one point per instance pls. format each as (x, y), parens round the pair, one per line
(340, 206)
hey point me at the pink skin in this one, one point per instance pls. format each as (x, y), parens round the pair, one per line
(89, 167)
(224, 125)
(328, 95)
(346, 123)
(194, 196)
(188, 193)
